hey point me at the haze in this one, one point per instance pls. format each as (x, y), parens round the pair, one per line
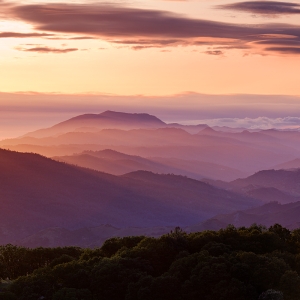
(205, 91)
(149, 149)
(184, 61)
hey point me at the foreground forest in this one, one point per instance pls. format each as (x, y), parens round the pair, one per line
(233, 263)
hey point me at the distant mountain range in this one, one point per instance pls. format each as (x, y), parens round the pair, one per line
(86, 237)
(269, 214)
(105, 120)
(279, 189)
(287, 181)
(109, 120)
(116, 163)
(147, 136)
(39, 193)
(292, 164)
(267, 185)
(119, 174)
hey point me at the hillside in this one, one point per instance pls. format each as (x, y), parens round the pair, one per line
(231, 264)
(107, 119)
(292, 164)
(89, 237)
(247, 157)
(110, 120)
(269, 214)
(117, 163)
(242, 151)
(271, 194)
(38, 193)
(287, 181)
(112, 162)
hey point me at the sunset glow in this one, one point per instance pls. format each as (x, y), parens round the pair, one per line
(150, 149)
(158, 49)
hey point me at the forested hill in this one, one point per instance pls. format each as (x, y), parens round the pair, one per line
(39, 193)
(233, 263)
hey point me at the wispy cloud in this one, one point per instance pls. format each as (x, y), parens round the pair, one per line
(214, 52)
(253, 123)
(24, 35)
(270, 8)
(143, 28)
(285, 50)
(45, 49)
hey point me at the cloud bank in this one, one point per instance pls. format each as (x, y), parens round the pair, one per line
(23, 35)
(253, 123)
(143, 28)
(271, 8)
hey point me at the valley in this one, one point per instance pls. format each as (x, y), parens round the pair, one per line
(118, 174)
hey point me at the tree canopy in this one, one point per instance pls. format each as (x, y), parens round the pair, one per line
(233, 263)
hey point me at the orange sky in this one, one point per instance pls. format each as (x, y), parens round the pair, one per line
(149, 47)
(145, 48)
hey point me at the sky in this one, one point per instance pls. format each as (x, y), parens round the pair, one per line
(188, 61)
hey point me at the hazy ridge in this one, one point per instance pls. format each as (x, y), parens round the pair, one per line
(121, 174)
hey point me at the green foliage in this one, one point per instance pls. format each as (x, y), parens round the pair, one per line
(290, 285)
(111, 246)
(232, 263)
(17, 261)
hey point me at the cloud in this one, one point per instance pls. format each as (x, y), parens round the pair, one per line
(272, 8)
(281, 42)
(48, 36)
(149, 42)
(23, 35)
(145, 28)
(285, 50)
(214, 52)
(82, 38)
(4, 3)
(253, 123)
(56, 37)
(45, 49)
(112, 21)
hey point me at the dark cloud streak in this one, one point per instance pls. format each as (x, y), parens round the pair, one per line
(23, 35)
(281, 42)
(45, 49)
(285, 50)
(145, 28)
(121, 22)
(214, 52)
(264, 7)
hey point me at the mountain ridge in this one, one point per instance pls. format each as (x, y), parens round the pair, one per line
(117, 163)
(106, 119)
(38, 192)
(267, 215)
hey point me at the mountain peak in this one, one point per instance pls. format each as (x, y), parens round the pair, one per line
(139, 117)
(208, 130)
(105, 120)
